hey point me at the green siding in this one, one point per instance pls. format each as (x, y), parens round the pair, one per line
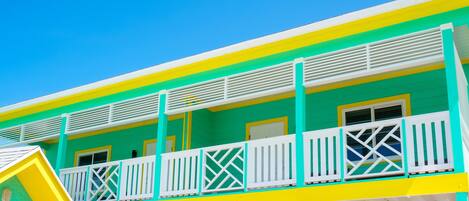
(458, 17)
(18, 193)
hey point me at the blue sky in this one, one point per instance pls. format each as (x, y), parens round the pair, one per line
(48, 46)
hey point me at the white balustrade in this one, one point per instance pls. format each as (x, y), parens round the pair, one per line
(373, 149)
(74, 180)
(322, 155)
(429, 143)
(223, 168)
(180, 173)
(360, 151)
(137, 178)
(271, 162)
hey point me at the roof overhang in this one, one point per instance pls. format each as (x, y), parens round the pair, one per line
(372, 18)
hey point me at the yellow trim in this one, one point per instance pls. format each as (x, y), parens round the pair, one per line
(171, 138)
(283, 119)
(314, 37)
(183, 131)
(37, 177)
(189, 130)
(465, 61)
(107, 148)
(117, 128)
(403, 97)
(364, 190)
(374, 78)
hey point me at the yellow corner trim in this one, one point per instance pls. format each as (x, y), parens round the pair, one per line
(363, 190)
(283, 119)
(315, 37)
(107, 148)
(403, 97)
(171, 138)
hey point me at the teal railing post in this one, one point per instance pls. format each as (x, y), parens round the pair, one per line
(453, 102)
(300, 110)
(453, 96)
(245, 167)
(405, 160)
(342, 155)
(87, 181)
(62, 148)
(160, 143)
(200, 174)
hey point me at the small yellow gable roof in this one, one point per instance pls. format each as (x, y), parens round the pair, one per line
(32, 169)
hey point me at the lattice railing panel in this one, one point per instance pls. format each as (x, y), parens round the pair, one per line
(373, 149)
(223, 168)
(103, 182)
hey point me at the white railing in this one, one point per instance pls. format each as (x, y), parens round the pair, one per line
(271, 162)
(322, 155)
(179, 173)
(75, 182)
(137, 178)
(368, 150)
(223, 168)
(429, 143)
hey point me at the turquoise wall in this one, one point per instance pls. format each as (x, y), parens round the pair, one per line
(18, 193)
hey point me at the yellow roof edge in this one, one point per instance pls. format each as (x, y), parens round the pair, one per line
(379, 20)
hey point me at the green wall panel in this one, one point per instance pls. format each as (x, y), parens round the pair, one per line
(18, 193)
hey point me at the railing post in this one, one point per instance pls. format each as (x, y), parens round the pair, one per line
(87, 181)
(342, 154)
(160, 143)
(201, 172)
(453, 96)
(405, 161)
(245, 167)
(62, 148)
(300, 97)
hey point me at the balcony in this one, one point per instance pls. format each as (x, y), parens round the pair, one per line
(399, 147)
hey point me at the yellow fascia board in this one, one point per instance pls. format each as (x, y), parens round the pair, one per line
(416, 186)
(343, 30)
(37, 177)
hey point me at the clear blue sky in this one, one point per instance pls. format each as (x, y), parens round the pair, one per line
(47, 46)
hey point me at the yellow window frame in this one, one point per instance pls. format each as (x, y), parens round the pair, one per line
(172, 138)
(107, 148)
(404, 98)
(283, 119)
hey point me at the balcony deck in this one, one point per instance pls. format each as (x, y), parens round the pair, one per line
(411, 145)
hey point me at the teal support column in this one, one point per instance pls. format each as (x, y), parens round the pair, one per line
(160, 143)
(62, 149)
(453, 96)
(300, 110)
(405, 160)
(342, 155)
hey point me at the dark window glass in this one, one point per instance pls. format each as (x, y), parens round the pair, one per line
(100, 157)
(85, 160)
(358, 116)
(388, 113)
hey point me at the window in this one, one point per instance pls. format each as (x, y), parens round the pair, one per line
(372, 113)
(267, 128)
(149, 146)
(92, 156)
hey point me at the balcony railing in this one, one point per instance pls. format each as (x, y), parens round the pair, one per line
(409, 145)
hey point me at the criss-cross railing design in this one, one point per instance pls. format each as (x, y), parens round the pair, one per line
(373, 149)
(223, 168)
(104, 182)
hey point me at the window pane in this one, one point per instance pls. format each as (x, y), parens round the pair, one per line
(358, 116)
(100, 157)
(388, 112)
(85, 160)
